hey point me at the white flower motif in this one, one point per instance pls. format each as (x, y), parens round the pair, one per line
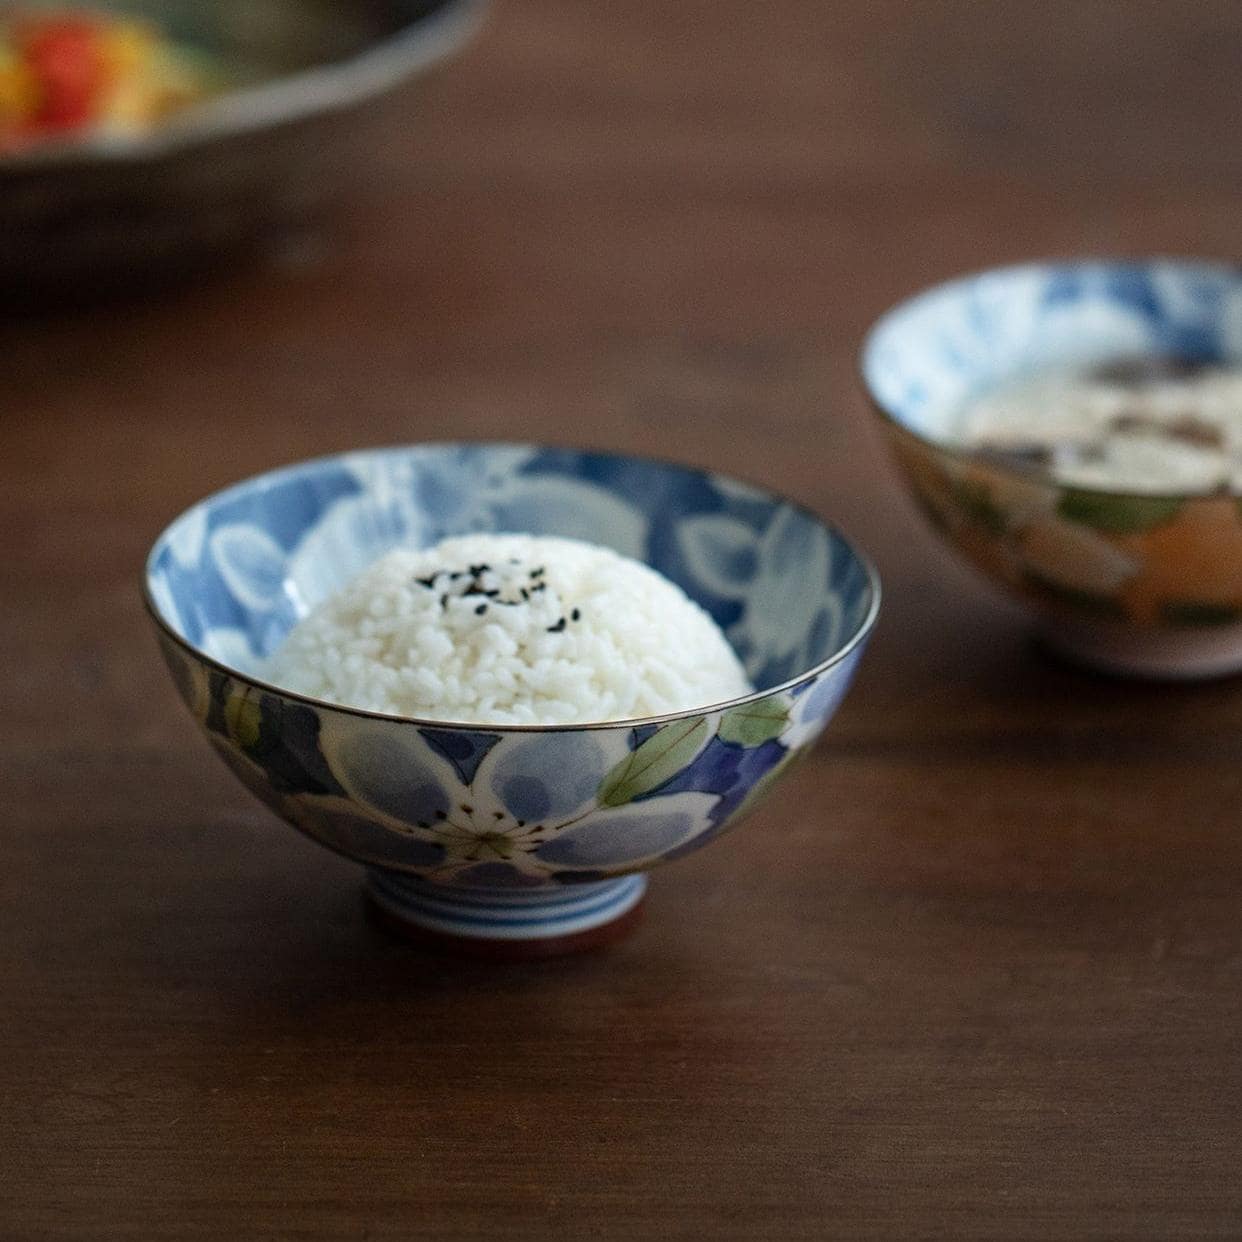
(781, 574)
(1084, 332)
(476, 489)
(232, 647)
(526, 800)
(251, 563)
(814, 708)
(162, 598)
(186, 537)
(350, 534)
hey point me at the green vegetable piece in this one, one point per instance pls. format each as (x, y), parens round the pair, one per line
(1117, 515)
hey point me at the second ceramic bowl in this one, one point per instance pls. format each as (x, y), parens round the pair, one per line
(1144, 584)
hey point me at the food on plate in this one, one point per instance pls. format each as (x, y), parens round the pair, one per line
(80, 73)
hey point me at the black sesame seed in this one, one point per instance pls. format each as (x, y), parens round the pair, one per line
(521, 823)
(499, 814)
(525, 593)
(443, 601)
(468, 809)
(427, 582)
(480, 610)
(576, 615)
(558, 627)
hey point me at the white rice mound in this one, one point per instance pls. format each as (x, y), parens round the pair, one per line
(510, 629)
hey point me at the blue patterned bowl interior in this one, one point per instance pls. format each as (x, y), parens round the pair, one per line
(233, 574)
(932, 353)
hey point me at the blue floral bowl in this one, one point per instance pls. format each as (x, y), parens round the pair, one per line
(525, 836)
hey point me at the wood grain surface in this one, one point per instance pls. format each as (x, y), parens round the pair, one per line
(975, 972)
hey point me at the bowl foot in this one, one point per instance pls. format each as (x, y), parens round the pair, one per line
(513, 923)
(1182, 654)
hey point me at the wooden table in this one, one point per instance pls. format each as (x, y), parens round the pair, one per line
(976, 971)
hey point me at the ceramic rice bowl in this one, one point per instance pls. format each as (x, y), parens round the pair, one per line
(532, 838)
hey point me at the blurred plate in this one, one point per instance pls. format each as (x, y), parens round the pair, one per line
(233, 169)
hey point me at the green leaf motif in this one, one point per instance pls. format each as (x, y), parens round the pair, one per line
(1117, 515)
(754, 723)
(657, 760)
(244, 719)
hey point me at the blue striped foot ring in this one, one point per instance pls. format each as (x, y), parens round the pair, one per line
(496, 914)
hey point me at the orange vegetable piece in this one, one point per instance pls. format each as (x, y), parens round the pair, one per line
(1194, 559)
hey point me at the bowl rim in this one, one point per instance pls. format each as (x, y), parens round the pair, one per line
(966, 455)
(281, 99)
(860, 635)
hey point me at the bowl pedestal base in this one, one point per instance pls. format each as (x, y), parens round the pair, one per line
(508, 923)
(1182, 654)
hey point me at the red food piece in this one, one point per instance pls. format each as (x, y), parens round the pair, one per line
(67, 59)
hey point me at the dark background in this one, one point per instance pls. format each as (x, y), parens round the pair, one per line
(974, 972)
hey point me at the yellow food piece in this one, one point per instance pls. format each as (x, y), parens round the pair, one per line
(126, 48)
(19, 90)
(147, 78)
